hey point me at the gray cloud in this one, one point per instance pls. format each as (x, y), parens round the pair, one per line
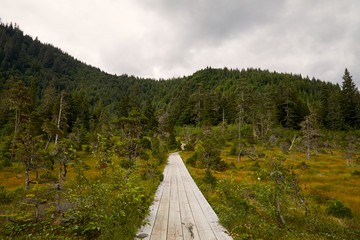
(166, 38)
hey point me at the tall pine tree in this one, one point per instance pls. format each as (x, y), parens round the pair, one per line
(348, 102)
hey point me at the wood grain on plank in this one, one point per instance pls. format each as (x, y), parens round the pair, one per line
(180, 211)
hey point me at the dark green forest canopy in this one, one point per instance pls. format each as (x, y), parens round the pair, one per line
(207, 96)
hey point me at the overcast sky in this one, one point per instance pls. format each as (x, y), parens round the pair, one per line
(171, 38)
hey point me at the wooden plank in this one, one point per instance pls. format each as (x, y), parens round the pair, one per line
(174, 231)
(145, 231)
(159, 231)
(203, 227)
(209, 213)
(180, 211)
(190, 230)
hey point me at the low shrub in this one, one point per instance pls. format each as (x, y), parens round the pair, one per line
(47, 177)
(209, 178)
(256, 166)
(221, 166)
(5, 196)
(88, 149)
(232, 165)
(192, 160)
(126, 163)
(234, 150)
(303, 165)
(189, 147)
(337, 209)
(151, 171)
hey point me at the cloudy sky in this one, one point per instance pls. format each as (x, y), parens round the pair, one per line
(171, 38)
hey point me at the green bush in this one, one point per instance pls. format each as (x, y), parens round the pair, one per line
(151, 171)
(255, 167)
(221, 166)
(355, 173)
(87, 149)
(145, 143)
(5, 196)
(337, 209)
(126, 163)
(234, 151)
(209, 178)
(232, 165)
(303, 165)
(192, 160)
(47, 177)
(108, 208)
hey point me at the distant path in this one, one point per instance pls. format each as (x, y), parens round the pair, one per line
(180, 210)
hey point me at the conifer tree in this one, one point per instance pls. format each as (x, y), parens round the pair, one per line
(348, 103)
(19, 100)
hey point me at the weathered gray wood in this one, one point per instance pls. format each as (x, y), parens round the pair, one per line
(180, 211)
(210, 215)
(174, 225)
(190, 230)
(146, 230)
(161, 222)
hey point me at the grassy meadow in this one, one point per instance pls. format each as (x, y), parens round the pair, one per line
(322, 178)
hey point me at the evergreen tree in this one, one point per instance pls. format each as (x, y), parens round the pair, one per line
(48, 100)
(149, 113)
(124, 106)
(334, 118)
(348, 102)
(19, 100)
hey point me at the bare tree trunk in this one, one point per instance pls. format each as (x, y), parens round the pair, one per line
(27, 180)
(239, 156)
(58, 188)
(17, 120)
(58, 201)
(223, 124)
(308, 153)
(59, 117)
(37, 206)
(278, 209)
(308, 147)
(240, 121)
(60, 172)
(292, 143)
(48, 143)
(65, 171)
(187, 135)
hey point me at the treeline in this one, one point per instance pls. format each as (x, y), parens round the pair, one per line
(207, 96)
(210, 96)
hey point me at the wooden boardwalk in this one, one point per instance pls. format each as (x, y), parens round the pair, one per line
(180, 210)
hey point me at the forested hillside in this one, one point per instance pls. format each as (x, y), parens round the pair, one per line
(208, 95)
(91, 143)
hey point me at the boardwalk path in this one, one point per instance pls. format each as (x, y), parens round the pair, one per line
(180, 211)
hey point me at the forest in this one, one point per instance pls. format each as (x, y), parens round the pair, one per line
(82, 151)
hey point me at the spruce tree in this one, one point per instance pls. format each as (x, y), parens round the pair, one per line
(348, 104)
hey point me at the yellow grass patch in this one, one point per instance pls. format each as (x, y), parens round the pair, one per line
(328, 175)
